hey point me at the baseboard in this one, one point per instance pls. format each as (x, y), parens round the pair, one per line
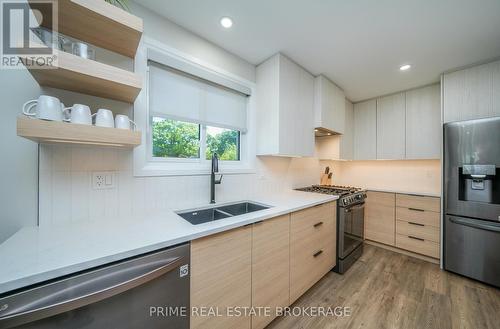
(404, 252)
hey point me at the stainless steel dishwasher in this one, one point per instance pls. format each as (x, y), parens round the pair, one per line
(149, 291)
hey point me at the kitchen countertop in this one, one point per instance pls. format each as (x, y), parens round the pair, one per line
(432, 194)
(36, 254)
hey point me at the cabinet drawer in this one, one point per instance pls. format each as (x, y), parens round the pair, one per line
(424, 247)
(424, 217)
(311, 226)
(426, 232)
(418, 202)
(308, 266)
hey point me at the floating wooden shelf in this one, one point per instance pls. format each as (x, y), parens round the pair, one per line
(42, 131)
(99, 23)
(90, 77)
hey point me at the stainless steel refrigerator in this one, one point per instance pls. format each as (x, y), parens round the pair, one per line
(472, 199)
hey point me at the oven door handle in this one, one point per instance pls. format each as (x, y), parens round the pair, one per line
(355, 207)
(473, 223)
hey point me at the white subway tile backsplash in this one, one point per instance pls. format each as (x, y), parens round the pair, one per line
(138, 195)
(111, 203)
(125, 187)
(45, 155)
(97, 205)
(61, 197)
(66, 192)
(45, 196)
(61, 157)
(83, 158)
(80, 195)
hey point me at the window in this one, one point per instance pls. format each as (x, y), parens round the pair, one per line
(192, 118)
(187, 113)
(175, 139)
(224, 142)
(178, 139)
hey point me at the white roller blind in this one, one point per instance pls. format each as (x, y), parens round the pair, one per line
(187, 98)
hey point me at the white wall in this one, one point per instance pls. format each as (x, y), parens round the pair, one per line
(19, 162)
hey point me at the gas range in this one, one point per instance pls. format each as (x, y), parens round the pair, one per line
(348, 195)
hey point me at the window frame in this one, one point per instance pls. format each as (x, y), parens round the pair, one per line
(144, 162)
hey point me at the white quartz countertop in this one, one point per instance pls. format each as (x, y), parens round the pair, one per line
(36, 254)
(433, 194)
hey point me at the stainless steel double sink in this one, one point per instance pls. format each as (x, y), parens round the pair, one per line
(210, 214)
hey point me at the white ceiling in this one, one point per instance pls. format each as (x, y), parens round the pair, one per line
(359, 44)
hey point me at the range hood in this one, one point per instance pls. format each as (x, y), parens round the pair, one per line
(323, 132)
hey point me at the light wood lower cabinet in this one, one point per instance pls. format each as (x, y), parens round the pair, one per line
(221, 277)
(409, 222)
(266, 264)
(418, 224)
(270, 267)
(380, 225)
(312, 246)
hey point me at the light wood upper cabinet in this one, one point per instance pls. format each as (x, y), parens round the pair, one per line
(270, 267)
(423, 123)
(329, 105)
(221, 276)
(285, 108)
(472, 93)
(365, 130)
(391, 127)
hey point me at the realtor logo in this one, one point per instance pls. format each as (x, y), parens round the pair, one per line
(29, 35)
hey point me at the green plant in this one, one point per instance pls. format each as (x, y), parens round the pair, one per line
(119, 3)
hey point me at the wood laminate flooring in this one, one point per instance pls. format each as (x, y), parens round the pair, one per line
(385, 289)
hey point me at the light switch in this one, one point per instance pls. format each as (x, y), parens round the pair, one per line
(108, 179)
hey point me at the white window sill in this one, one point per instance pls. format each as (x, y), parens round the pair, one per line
(152, 169)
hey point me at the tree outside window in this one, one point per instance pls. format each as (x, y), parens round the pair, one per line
(178, 139)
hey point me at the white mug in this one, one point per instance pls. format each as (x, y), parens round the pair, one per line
(46, 108)
(123, 122)
(104, 118)
(80, 114)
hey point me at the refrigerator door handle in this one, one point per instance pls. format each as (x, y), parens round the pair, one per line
(86, 292)
(473, 223)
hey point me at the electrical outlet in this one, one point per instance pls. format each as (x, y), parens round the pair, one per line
(103, 180)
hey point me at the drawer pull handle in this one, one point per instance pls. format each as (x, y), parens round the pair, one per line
(415, 238)
(416, 209)
(418, 224)
(317, 253)
(318, 224)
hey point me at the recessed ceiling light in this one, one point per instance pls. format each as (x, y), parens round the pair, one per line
(315, 129)
(405, 67)
(226, 22)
